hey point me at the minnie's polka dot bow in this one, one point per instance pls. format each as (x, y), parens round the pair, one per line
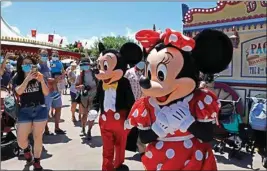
(149, 38)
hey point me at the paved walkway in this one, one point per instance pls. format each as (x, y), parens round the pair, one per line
(73, 152)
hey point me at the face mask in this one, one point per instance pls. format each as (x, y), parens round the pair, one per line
(8, 66)
(55, 58)
(140, 65)
(44, 59)
(26, 68)
(84, 67)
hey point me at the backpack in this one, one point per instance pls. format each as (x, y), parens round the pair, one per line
(11, 106)
(86, 96)
(257, 114)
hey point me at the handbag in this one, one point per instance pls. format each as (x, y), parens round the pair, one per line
(11, 106)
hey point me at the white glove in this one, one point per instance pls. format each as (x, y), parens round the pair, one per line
(92, 115)
(127, 124)
(161, 126)
(180, 117)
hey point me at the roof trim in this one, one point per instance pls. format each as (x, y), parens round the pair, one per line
(238, 23)
(222, 22)
(27, 45)
(188, 18)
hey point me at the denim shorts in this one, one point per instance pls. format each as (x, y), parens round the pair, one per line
(33, 114)
(50, 101)
(73, 96)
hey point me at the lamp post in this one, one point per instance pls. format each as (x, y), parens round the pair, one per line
(235, 38)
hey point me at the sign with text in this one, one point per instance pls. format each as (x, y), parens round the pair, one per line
(253, 57)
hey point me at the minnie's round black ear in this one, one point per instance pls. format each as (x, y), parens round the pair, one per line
(131, 52)
(213, 51)
(101, 47)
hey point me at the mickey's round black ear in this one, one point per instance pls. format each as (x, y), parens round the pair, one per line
(213, 51)
(101, 47)
(131, 52)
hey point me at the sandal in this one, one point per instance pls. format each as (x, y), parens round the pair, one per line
(60, 131)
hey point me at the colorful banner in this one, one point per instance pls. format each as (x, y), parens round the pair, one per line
(79, 45)
(50, 38)
(34, 32)
(253, 57)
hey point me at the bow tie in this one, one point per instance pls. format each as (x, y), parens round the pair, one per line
(112, 86)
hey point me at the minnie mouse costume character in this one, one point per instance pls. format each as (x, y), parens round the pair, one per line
(114, 98)
(176, 117)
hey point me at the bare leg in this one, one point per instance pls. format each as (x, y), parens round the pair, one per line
(57, 117)
(80, 112)
(84, 114)
(73, 110)
(46, 129)
(141, 146)
(38, 129)
(24, 129)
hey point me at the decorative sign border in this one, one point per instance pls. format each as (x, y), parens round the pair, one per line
(241, 72)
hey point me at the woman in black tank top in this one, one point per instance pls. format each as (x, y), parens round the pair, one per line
(33, 114)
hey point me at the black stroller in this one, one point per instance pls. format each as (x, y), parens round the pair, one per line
(258, 121)
(9, 146)
(232, 131)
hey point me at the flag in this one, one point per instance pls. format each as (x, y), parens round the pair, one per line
(61, 41)
(50, 38)
(34, 33)
(79, 45)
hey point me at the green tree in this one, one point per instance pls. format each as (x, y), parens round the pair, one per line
(110, 42)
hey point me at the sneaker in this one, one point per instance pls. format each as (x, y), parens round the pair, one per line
(83, 131)
(89, 136)
(37, 166)
(59, 131)
(28, 156)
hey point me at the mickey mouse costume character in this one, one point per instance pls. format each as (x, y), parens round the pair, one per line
(176, 118)
(114, 98)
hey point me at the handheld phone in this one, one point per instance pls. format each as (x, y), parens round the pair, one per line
(34, 68)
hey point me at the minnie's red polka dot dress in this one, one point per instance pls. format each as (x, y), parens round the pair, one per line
(180, 150)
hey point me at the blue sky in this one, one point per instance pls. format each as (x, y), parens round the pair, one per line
(84, 20)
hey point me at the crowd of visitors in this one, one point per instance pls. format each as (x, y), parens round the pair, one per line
(39, 82)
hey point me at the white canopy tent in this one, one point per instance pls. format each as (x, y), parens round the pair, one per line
(8, 31)
(13, 41)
